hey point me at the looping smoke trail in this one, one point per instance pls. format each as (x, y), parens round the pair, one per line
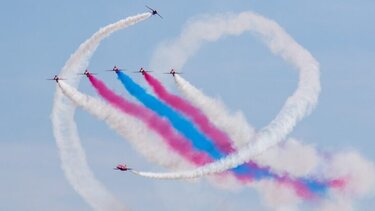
(296, 107)
(73, 159)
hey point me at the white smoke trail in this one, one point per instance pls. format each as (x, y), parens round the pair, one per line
(73, 159)
(296, 107)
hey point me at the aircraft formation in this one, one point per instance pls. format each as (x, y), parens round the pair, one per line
(116, 69)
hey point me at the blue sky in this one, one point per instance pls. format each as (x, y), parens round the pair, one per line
(38, 37)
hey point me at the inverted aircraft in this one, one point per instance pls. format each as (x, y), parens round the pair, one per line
(154, 12)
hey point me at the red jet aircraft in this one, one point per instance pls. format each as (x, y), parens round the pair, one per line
(142, 70)
(87, 73)
(115, 69)
(122, 167)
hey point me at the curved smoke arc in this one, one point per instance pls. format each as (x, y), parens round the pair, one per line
(72, 155)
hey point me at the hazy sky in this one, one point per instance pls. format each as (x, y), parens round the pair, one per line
(39, 36)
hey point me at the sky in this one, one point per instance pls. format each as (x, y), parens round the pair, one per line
(39, 36)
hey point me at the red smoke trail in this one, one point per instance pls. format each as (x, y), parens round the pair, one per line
(221, 139)
(154, 122)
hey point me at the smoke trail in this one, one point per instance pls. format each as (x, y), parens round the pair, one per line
(296, 107)
(180, 123)
(154, 122)
(73, 159)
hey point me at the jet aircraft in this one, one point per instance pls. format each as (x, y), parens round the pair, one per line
(122, 167)
(55, 78)
(173, 72)
(142, 70)
(154, 12)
